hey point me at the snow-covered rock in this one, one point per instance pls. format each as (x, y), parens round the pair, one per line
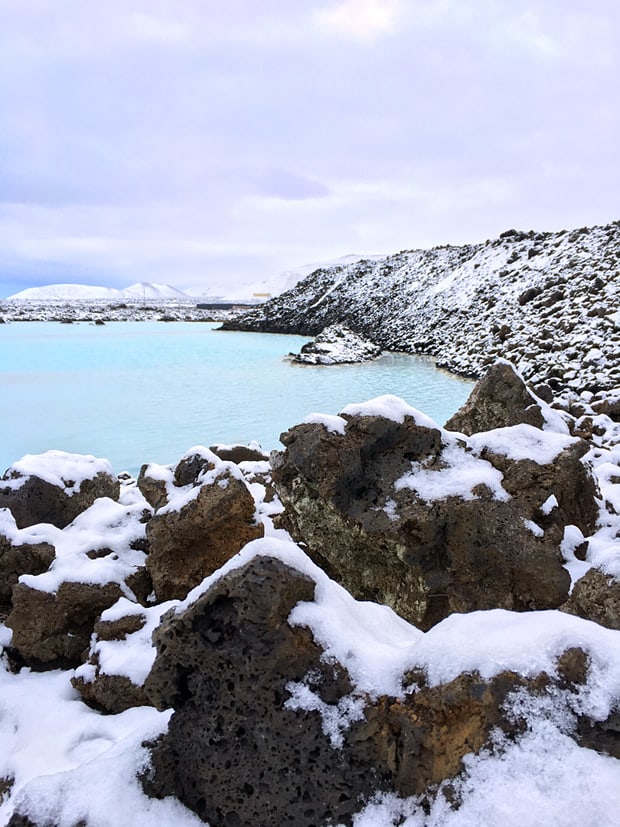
(336, 345)
(290, 697)
(54, 487)
(546, 301)
(430, 522)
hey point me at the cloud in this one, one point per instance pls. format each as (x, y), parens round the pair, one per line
(360, 19)
(206, 141)
(291, 186)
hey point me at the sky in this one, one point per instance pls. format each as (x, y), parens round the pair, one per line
(209, 144)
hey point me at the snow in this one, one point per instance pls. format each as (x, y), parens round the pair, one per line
(549, 504)
(529, 643)
(390, 407)
(70, 764)
(336, 345)
(334, 424)
(521, 442)
(573, 538)
(542, 779)
(84, 292)
(335, 718)
(466, 306)
(105, 525)
(132, 657)
(95, 759)
(536, 530)
(462, 473)
(59, 468)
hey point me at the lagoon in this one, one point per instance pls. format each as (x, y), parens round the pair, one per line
(136, 392)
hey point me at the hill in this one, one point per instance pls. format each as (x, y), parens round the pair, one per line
(545, 300)
(88, 292)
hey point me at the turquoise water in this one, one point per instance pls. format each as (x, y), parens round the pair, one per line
(147, 392)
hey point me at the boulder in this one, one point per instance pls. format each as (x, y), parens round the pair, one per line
(20, 557)
(98, 557)
(193, 537)
(404, 513)
(55, 487)
(53, 629)
(596, 596)
(336, 345)
(158, 483)
(190, 467)
(152, 486)
(269, 729)
(233, 753)
(500, 399)
(240, 453)
(120, 657)
(608, 403)
(111, 693)
(556, 493)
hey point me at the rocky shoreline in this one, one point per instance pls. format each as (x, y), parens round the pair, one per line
(104, 311)
(251, 618)
(547, 301)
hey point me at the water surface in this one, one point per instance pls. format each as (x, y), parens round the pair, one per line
(149, 391)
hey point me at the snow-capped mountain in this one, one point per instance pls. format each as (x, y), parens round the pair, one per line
(547, 301)
(87, 292)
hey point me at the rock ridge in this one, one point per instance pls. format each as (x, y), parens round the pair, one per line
(545, 300)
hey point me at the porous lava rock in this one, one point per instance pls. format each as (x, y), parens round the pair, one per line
(596, 596)
(190, 467)
(158, 483)
(152, 487)
(214, 520)
(53, 629)
(108, 692)
(233, 753)
(499, 399)
(21, 558)
(35, 499)
(377, 508)
(608, 404)
(567, 479)
(239, 453)
(237, 752)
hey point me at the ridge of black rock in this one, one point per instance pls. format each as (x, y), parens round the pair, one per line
(545, 300)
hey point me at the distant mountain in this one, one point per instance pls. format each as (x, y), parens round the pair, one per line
(87, 292)
(247, 292)
(546, 301)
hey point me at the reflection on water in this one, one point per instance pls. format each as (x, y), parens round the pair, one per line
(148, 391)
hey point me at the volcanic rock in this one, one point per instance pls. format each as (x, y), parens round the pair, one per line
(500, 399)
(26, 557)
(58, 497)
(596, 596)
(52, 629)
(152, 487)
(406, 514)
(240, 453)
(242, 749)
(336, 345)
(233, 753)
(100, 681)
(209, 526)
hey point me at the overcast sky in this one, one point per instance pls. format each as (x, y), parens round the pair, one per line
(201, 143)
